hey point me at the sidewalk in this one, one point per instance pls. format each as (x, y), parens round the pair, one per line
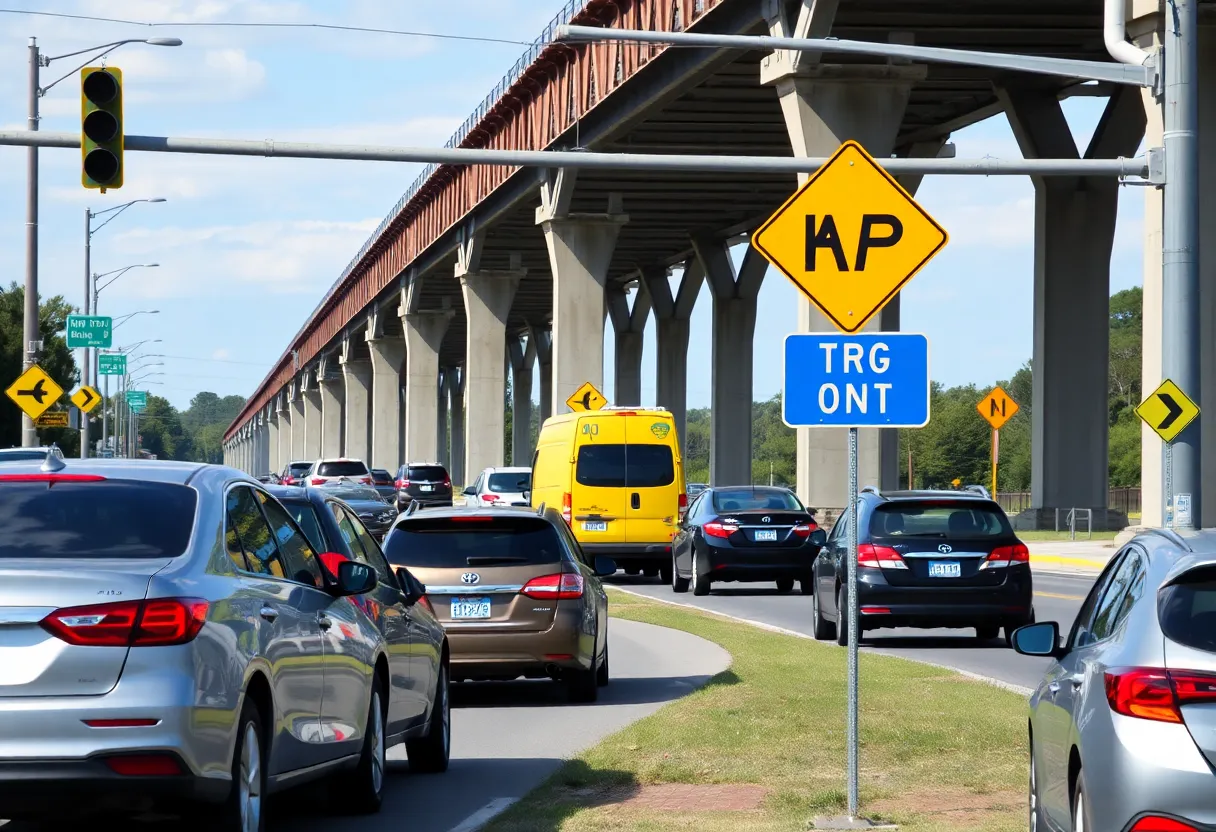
(1087, 557)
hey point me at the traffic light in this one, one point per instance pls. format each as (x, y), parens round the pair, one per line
(101, 135)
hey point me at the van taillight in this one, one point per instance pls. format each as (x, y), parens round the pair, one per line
(683, 500)
(567, 511)
(565, 586)
(156, 622)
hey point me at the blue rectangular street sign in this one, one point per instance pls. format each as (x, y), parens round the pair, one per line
(878, 380)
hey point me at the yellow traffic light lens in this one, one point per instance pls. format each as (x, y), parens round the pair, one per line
(100, 126)
(101, 165)
(100, 87)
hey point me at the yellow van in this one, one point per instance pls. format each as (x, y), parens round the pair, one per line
(617, 475)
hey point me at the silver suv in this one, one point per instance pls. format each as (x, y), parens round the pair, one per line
(167, 633)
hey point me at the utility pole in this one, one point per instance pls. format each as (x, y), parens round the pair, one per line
(31, 341)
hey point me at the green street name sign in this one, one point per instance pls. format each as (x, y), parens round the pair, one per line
(137, 398)
(90, 331)
(111, 365)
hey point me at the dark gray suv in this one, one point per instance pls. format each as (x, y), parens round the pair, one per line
(426, 482)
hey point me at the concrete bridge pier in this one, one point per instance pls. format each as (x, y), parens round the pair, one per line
(295, 403)
(452, 401)
(580, 250)
(284, 451)
(521, 353)
(672, 312)
(541, 338)
(825, 105)
(488, 297)
(272, 436)
(424, 333)
(734, 333)
(1074, 235)
(311, 394)
(387, 357)
(356, 408)
(629, 326)
(329, 380)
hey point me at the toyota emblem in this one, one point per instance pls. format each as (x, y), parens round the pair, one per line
(470, 578)
(766, 519)
(945, 549)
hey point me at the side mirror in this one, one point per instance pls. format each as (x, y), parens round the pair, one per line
(355, 578)
(819, 537)
(527, 496)
(604, 567)
(410, 586)
(1038, 640)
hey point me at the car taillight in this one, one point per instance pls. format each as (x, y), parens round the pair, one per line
(1005, 555)
(1157, 823)
(566, 585)
(1155, 693)
(715, 529)
(317, 480)
(426, 602)
(366, 480)
(157, 622)
(144, 765)
(804, 530)
(683, 502)
(567, 512)
(870, 556)
(490, 498)
(289, 481)
(447, 482)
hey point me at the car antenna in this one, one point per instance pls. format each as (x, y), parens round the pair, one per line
(540, 510)
(53, 463)
(411, 508)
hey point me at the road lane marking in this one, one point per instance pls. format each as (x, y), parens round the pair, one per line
(484, 815)
(1061, 597)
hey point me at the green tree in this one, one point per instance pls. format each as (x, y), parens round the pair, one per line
(161, 432)
(56, 359)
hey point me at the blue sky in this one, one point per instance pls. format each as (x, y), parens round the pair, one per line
(247, 246)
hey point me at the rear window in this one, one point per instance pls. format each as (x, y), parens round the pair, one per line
(939, 519)
(427, 473)
(306, 516)
(345, 492)
(108, 519)
(625, 466)
(299, 467)
(1187, 610)
(745, 499)
(475, 540)
(510, 483)
(344, 468)
(381, 475)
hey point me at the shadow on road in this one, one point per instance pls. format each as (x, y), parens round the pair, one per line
(575, 786)
(639, 690)
(958, 642)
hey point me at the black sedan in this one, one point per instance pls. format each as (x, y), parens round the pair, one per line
(745, 533)
(926, 559)
(370, 507)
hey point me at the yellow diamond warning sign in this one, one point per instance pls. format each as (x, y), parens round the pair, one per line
(34, 391)
(850, 238)
(997, 407)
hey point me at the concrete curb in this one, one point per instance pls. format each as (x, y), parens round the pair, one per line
(1086, 564)
(772, 628)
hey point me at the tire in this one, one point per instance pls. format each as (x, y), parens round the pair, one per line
(824, 630)
(245, 808)
(666, 571)
(1032, 791)
(430, 754)
(1080, 817)
(678, 584)
(583, 685)
(631, 571)
(806, 584)
(785, 585)
(842, 618)
(362, 791)
(601, 674)
(650, 572)
(700, 583)
(987, 633)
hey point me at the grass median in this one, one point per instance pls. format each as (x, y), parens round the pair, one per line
(762, 747)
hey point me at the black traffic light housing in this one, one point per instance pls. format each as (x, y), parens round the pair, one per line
(101, 132)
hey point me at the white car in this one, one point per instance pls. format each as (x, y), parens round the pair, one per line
(499, 486)
(335, 470)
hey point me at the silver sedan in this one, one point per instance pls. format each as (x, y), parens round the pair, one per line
(168, 634)
(1123, 726)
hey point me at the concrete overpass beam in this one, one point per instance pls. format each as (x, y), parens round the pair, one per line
(734, 331)
(488, 296)
(329, 380)
(453, 402)
(672, 312)
(580, 252)
(1074, 235)
(387, 358)
(542, 338)
(629, 325)
(356, 408)
(521, 352)
(424, 333)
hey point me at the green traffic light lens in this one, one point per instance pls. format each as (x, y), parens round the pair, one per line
(100, 127)
(101, 165)
(100, 87)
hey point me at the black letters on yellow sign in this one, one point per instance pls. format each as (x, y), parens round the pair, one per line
(825, 235)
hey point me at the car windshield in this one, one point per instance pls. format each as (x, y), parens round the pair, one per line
(1187, 610)
(625, 466)
(102, 519)
(306, 516)
(936, 518)
(342, 468)
(515, 483)
(427, 473)
(356, 494)
(748, 499)
(298, 468)
(473, 540)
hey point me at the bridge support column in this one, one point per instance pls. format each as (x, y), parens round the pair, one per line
(543, 339)
(312, 423)
(454, 382)
(272, 439)
(444, 417)
(522, 355)
(1074, 234)
(672, 312)
(580, 253)
(734, 332)
(488, 296)
(356, 443)
(629, 326)
(331, 414)
(284, 449)
(299, 427)
(424, 333)
(388, 354)
(825, 105)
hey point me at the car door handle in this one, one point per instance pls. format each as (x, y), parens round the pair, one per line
(1053, 688)
(635, 500)
(1076, 682)
(323, 621)
(269, 613)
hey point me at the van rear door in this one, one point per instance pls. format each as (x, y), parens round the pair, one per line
(651, 486)
(597, 493)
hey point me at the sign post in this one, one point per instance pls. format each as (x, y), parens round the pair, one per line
(997, 408)
(850, 238)
(1168, 411)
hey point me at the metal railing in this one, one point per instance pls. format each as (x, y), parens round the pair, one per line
(1125, 499)
(1070, 521)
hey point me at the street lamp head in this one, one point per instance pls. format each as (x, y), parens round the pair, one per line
(157, 199)
(151, 265)
(164, 41)
(153, 311)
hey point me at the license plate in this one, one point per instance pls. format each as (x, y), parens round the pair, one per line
(596, 526)
(766, 534)
(944, 569)
(426, 488)
(463, 608)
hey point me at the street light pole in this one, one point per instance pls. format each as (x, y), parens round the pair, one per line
(85, 364)
(29, 346)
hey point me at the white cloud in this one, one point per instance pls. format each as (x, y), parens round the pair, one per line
(221, 355)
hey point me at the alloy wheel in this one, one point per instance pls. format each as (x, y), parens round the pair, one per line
(1034, 795)
(377, 738)
(251, 780)
(1078, 819)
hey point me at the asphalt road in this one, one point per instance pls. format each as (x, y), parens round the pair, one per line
(507, 737)
(1057, 598)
